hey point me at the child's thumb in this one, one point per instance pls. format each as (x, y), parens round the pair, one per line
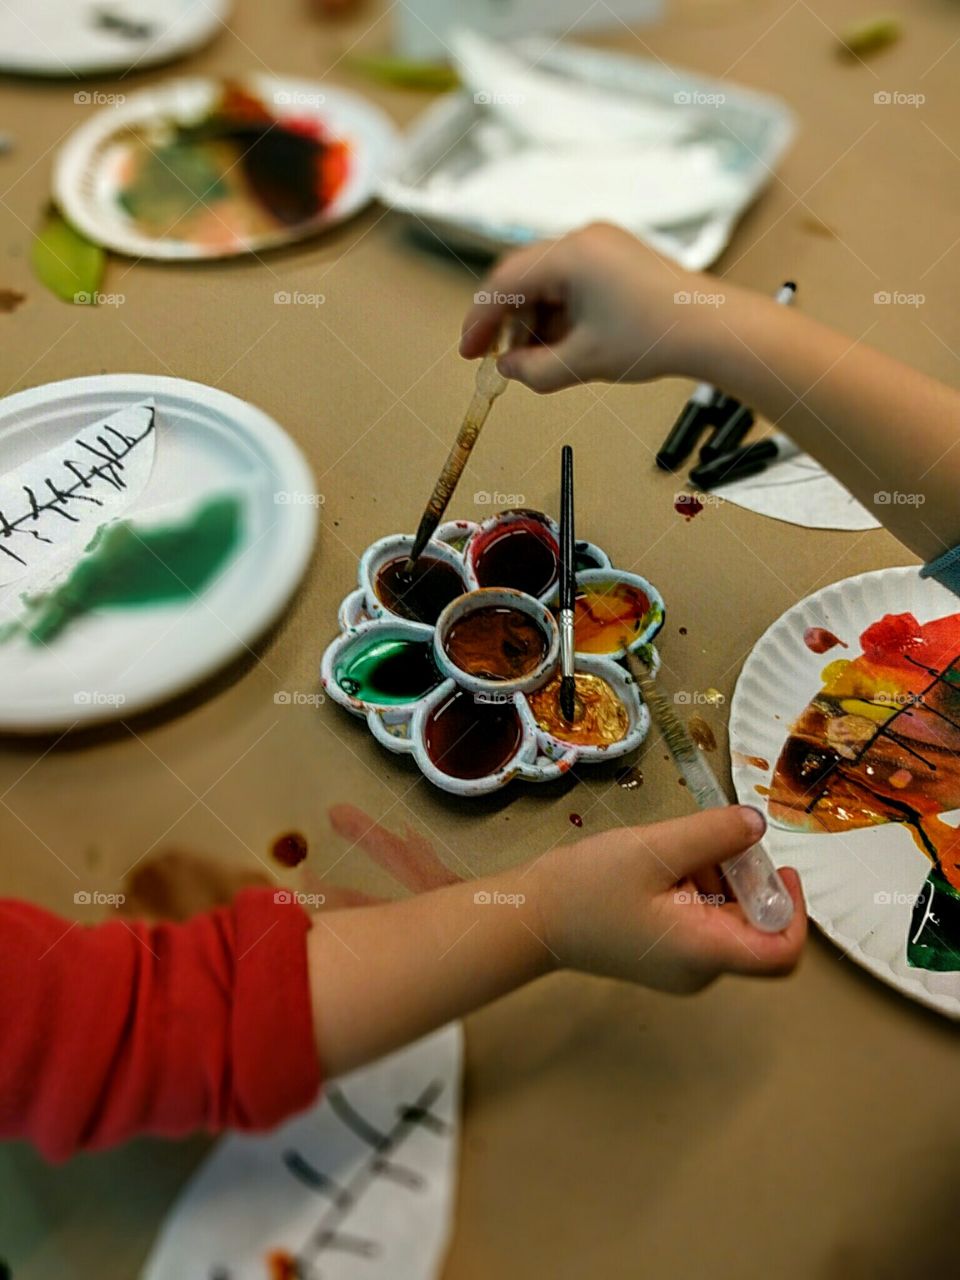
(543, 368)
(687, 845)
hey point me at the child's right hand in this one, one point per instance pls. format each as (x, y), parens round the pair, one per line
(640, 903)
(594, 305)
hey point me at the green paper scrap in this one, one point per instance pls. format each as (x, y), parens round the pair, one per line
(862, 38)
(129, 566)
(66, 262)
(403, 72)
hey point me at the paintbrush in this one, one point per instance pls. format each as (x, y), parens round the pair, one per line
(568, 587)
(751, 875)
(490, 384)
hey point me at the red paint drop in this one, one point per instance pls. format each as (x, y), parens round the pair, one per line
(688, 505)
(576, 819)
(891, 637)
(289, 849)
(819, 640)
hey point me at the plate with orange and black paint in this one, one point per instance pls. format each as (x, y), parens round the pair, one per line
(201, 168)
(846, 720)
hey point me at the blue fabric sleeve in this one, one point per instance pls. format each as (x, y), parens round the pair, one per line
(945, 570)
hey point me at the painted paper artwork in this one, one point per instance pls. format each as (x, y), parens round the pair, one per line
(360, 1187)
(880, 743)
(54, 502)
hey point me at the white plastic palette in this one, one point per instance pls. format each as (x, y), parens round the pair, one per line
(85, 179)
(83, 37)
(114, 662)
(861, 885)
(403, 727)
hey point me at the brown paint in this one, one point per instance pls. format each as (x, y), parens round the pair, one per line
(10, 299)
(631, 778)
(176, 885)
(758, 762)
(820, 640)
(290, 849)
(702, 734)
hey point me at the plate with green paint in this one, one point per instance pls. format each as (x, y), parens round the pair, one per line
(151, 530)
(201, 168)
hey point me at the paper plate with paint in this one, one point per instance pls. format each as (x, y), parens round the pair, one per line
(846, 717)
(204, 168)
(150, 530)
(457, 662)
(70, 38)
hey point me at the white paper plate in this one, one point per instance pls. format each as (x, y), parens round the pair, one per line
(85, 188)
(115, 662)
(843, 872)
(85, 37)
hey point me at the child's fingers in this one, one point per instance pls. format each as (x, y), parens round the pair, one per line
(685, 846)
(724, 940)
(545, 369)
(520, 281)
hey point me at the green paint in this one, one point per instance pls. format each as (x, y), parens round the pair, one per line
(172, 180)
(126, 566)
(387, 672)
(934, 938)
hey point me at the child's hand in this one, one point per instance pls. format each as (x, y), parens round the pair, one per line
(639, 903)
(597, 304)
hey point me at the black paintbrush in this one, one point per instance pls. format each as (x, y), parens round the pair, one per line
(568, 587)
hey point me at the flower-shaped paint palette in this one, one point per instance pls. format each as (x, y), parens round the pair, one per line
(457, 663)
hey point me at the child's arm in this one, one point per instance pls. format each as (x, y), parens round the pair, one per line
(599, 305)
(622, 904)
(226, 1021)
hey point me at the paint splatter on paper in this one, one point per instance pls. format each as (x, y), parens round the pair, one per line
(51, 504)
(880, 743)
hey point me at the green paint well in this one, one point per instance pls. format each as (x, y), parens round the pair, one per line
(387, 672)
(126, 566)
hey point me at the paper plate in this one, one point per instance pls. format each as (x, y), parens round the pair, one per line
(112, 663)
(71, 37)
(86, 179)
(861, 886)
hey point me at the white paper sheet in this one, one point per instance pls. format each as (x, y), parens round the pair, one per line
(51, 505)
(361, 1187)
(799, 491)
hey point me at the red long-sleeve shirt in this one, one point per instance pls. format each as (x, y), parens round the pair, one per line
(125, 1028)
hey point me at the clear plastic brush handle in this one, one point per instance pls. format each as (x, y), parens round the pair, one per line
(751, 875)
